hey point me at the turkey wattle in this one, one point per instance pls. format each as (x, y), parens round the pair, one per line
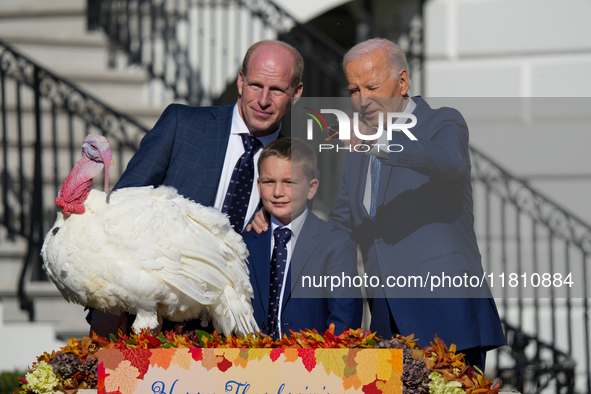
(147, 251)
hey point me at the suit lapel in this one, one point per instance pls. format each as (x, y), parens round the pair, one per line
(305, 246)
(359, 165)
(390, 172)
(261, 260)
(385, 172)
(218, 127)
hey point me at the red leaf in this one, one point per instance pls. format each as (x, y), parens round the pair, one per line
(196, 353)
(495, 389)
(224, 365)
(308, 358)
(139, 358)
(22, 380)
(371, 388)
(275, 353)
(102, 375)
(154, 341)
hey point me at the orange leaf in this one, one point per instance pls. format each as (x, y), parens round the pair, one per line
(396, 361)
(209, 359)
(239, 361)
(351, 381)
(393, 386)
(161, 357)
(291, 354)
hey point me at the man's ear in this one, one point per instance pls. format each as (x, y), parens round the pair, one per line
(240, 83)
(403, 80)
(313, 188)
(298, 93)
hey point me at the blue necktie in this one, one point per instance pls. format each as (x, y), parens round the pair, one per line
(240, 187)
(375, 180)
(278, 262)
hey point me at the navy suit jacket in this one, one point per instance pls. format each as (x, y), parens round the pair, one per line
(321, 249)
(424, 226)
(186, 150)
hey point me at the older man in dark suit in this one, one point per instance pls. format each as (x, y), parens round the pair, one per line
(200, 150)
(410, 211)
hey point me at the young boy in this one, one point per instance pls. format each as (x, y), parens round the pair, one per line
(298, 244)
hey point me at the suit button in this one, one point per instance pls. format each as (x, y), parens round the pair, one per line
(412, 162)
(399, 160)
(379, 241)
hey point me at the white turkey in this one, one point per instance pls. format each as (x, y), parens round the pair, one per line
(147, 251)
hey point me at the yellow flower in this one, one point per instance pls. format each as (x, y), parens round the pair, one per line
(438, 385)
(41, 379)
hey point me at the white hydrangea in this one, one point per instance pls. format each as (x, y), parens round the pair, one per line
(438, 385)
(41, 379)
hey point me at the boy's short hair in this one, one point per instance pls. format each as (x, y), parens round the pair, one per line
(294, 150)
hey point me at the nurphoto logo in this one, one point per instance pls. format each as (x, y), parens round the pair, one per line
(344, 129)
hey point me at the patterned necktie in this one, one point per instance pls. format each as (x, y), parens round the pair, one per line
(240, 187)
(278, 262)
(375, 179)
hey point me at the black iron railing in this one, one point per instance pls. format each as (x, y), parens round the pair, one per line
(195, 47)
(523, 232)
(44, 120)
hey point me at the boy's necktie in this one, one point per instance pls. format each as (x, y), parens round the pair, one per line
(240, 187)
(278, 262)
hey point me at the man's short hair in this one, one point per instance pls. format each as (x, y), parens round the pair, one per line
(298, 64)
(293, 149)
(395, 55)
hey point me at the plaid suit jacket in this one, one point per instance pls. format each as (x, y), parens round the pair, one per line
(185, 150)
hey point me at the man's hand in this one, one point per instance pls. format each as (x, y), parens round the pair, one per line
(260, 223)
(364, 130)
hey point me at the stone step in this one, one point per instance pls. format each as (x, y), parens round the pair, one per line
(11, 270)
(49, 304)
(42, 27)
(80, 55)
(19, 8)
(143, 115)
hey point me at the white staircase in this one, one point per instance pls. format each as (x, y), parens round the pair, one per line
(53, 34)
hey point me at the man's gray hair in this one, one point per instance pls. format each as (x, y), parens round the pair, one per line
(395, 55)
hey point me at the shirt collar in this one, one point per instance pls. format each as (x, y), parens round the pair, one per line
(295, 225)
(410, 106)
(239, 127)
